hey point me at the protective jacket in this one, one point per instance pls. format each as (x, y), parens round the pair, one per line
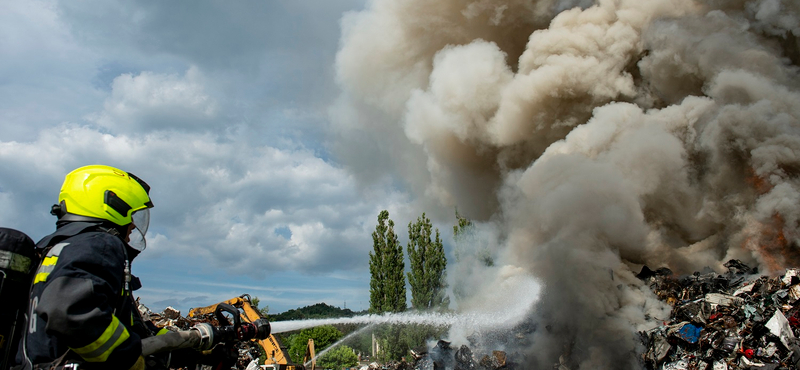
(81, 307)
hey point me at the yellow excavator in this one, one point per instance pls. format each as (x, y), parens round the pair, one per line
(277, 356)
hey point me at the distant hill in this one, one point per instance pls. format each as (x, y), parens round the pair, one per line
(317, 311)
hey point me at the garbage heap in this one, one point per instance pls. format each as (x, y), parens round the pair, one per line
(736, 320)
(443, 356)
(171, 319)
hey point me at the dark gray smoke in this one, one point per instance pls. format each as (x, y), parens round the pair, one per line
(591, 139)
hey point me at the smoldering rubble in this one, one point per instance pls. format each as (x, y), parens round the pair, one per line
(444, 356)
(171, 319)
(736, 320)
(591, 137)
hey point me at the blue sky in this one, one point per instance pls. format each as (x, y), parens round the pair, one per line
(223, 108)
(585, 138)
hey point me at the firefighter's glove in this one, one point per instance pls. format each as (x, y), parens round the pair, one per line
(139, 365)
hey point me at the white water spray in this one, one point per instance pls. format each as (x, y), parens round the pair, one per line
(340, 341)
(435, 319)
(504, 311)
(597, 136)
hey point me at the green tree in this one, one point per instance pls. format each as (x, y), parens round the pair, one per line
(417, 335)
(323, 337)
(338, 358)
(471, 251)
(264, 311)
(428, 264)
(316, 311)
(464, 234)
(387, 286)
(391, 343)
(462, 226)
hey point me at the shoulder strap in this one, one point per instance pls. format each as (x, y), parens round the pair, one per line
(66, 231)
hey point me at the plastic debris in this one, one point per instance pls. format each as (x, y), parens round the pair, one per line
(496, 361)
(690, 333)
(732, 321)
(677, 365)
(779, 326)
(464, 359)
(789, 275)
(442, 357)
(659, 350)
(747, 288)
(722, 299)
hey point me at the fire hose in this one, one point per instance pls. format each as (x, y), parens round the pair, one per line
(204, 336)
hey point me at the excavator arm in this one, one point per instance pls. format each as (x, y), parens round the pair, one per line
(310, 355)
(276, 353)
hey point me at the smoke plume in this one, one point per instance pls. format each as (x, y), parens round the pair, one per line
(595, 138)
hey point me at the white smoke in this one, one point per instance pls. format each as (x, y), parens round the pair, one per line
(593, 138)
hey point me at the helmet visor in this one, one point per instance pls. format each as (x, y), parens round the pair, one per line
(141, 221)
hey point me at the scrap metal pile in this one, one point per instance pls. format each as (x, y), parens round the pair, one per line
(442, 356)
(737, 320)
(171, 319)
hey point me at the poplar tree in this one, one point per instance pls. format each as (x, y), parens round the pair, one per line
(387, 286)
(462, 225)
(463, 234)
(428, 263)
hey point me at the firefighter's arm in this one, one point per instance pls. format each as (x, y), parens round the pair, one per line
(80, 316)
(79, 299)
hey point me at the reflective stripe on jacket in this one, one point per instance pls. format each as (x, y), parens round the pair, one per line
(78, 302)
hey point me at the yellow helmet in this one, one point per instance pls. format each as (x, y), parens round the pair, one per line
(102, 192)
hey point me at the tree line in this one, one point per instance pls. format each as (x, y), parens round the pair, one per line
(426, 279)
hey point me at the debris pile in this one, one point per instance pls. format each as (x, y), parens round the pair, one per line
(391, 365)
(737, 320)
(170, 318)
(442, 356)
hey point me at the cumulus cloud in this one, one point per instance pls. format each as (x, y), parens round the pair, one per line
(151, 101)
(220, 107)
(222, 201)
(614, 135)
(44, 70)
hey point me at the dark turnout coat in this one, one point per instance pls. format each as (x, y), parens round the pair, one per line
(80, 306)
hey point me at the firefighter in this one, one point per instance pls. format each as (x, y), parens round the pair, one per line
(81, 311)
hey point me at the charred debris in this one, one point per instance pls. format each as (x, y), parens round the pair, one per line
(442, 356)
(732, 321)
(735, 320)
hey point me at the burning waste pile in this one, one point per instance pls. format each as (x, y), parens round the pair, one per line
(586, 138)
(737, 320)
(171, 319)
(443, 356)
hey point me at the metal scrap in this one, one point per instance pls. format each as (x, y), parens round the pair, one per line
(731, 321)
(442, 357)
(496, 361)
